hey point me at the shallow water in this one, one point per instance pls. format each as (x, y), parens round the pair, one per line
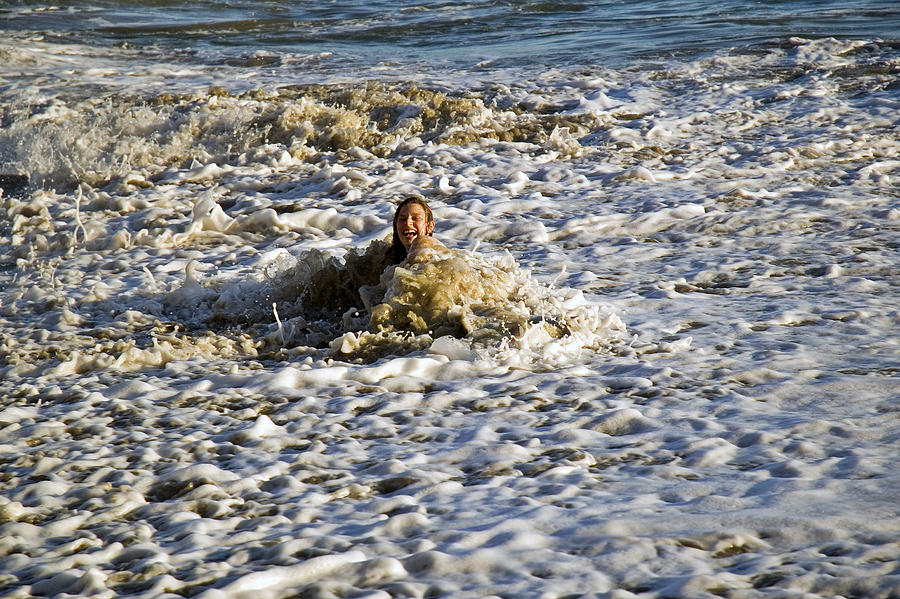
(666, 366)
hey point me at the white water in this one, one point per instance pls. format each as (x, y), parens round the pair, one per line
(723, 421)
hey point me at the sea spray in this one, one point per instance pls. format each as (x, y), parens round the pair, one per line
(363, 308)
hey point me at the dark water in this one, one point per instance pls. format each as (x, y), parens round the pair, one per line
(548, 32)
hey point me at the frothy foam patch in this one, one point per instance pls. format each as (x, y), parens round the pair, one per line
(190, 406)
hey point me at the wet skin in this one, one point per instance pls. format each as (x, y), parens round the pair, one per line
(412, 222)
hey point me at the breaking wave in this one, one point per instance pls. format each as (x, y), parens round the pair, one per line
(63, 142)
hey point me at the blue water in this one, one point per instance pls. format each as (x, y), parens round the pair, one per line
(504, 32)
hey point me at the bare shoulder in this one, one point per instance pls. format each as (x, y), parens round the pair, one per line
(424, 249)
(422, 242)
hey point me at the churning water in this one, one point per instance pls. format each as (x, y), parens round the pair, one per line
(657, 356)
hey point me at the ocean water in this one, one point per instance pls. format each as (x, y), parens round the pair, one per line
(656, 354)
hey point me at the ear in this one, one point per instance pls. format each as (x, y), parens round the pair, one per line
(429, 228)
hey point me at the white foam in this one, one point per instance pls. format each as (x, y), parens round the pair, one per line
(701, 399)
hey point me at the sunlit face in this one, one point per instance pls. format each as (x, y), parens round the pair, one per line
(412, 221)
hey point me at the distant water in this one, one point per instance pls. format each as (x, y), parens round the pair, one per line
(366, 32)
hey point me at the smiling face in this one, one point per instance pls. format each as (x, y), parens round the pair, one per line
(412, 222)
